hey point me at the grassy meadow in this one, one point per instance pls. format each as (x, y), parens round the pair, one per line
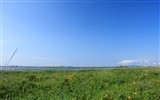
(115, 84)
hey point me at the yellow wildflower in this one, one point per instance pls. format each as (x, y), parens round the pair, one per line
(129, 97)
(134, 93)
(134, 83)
(70, 76)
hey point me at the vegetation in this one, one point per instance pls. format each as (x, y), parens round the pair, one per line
(117, 84)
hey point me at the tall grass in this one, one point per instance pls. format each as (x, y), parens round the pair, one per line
(122, 84)
(7, 63)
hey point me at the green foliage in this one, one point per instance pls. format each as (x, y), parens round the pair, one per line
(121, 84)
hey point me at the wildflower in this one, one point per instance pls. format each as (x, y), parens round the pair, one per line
(134, 93)
(134, 83)
(129, 97)
(70, 76)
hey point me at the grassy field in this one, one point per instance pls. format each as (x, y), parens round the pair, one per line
(117, 84)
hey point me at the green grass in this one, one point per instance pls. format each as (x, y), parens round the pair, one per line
(117, 84)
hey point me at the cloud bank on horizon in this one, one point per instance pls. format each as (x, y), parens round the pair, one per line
(148, 61)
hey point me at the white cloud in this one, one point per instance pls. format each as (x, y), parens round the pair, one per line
(141, 61)
(126, 62)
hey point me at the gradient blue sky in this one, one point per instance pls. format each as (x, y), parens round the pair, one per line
(80, 32)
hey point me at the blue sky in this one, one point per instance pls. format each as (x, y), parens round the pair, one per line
(80, 32)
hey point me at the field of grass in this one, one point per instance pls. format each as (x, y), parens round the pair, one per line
(117, 84)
